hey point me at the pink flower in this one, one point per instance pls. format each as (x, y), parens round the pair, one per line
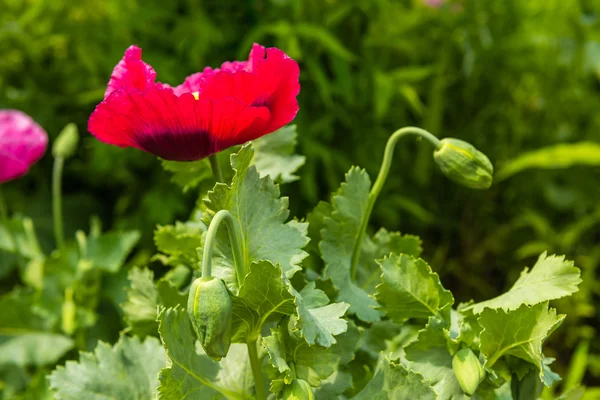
(211, 111)
(22, 144)
(434, 3)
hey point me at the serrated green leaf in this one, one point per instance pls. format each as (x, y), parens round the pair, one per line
(180, 241)
(143, 298)
(339, 234)
(429, 356)
(552, 277)
(410, 289)
(312, 363)
(274, 155)
(317, 322)
(562, 155)
(338, 238)
(260, 213)
(126, 371)
(519, 333)
(395, 382)
(264, 296)
(108, 251)
(190, 375)
(277, 353)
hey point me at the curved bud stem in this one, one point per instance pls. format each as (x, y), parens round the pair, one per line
(388, 156)
(236, 249)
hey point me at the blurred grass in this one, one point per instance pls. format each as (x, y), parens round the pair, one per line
(509, 76)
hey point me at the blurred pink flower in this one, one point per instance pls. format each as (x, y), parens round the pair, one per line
(434, 3)
(22, 144)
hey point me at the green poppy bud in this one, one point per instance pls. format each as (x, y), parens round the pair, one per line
(464, 164)
(298, 390)
(65, 144)
(468, 370)
(210, 309)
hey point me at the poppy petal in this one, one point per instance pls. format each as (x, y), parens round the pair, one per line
(178, 128)
(22, 143)
(131, 73)
(269, 78)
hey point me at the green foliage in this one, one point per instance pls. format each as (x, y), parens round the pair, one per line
(554, 157)
(409, 289)
(264, 234)
(517, 79)
(128, 370)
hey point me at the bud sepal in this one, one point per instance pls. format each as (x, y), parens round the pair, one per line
(464, 164)
(211, 310)
(468, 370)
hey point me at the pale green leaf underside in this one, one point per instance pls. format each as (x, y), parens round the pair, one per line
(552, 277)
(126, 371)
(274, 155)
(263, 296)
(410, 289)
(519, 332)
(563, 155)
(260, 212)
(395, 382)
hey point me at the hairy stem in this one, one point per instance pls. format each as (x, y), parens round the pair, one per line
(59, 234)
(236, 249)
(259, 380)
(388, 155)
(216, 169)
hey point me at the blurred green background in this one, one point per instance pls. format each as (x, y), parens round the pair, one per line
(510, 76)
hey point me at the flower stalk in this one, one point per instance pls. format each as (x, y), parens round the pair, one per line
(384, 170)
(59, 234)
(216, 168)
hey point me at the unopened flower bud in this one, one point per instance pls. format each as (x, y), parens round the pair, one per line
(65, 144)
(210, 310)
(464, 164)
(468, 370)
(298, 390)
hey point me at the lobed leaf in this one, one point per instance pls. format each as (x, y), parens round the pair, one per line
(552, 277)
(264, 296)
(410, 289)
(126, 371)
(519, 333)
(260, 212)
(394, 381)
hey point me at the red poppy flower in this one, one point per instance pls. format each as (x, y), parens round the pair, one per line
(22, 144)
(211, 111)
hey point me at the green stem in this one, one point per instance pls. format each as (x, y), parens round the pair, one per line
(59, 234)
(216, 169)
(259, 380)
(388, 155)
(211, 236)
(5, 220)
